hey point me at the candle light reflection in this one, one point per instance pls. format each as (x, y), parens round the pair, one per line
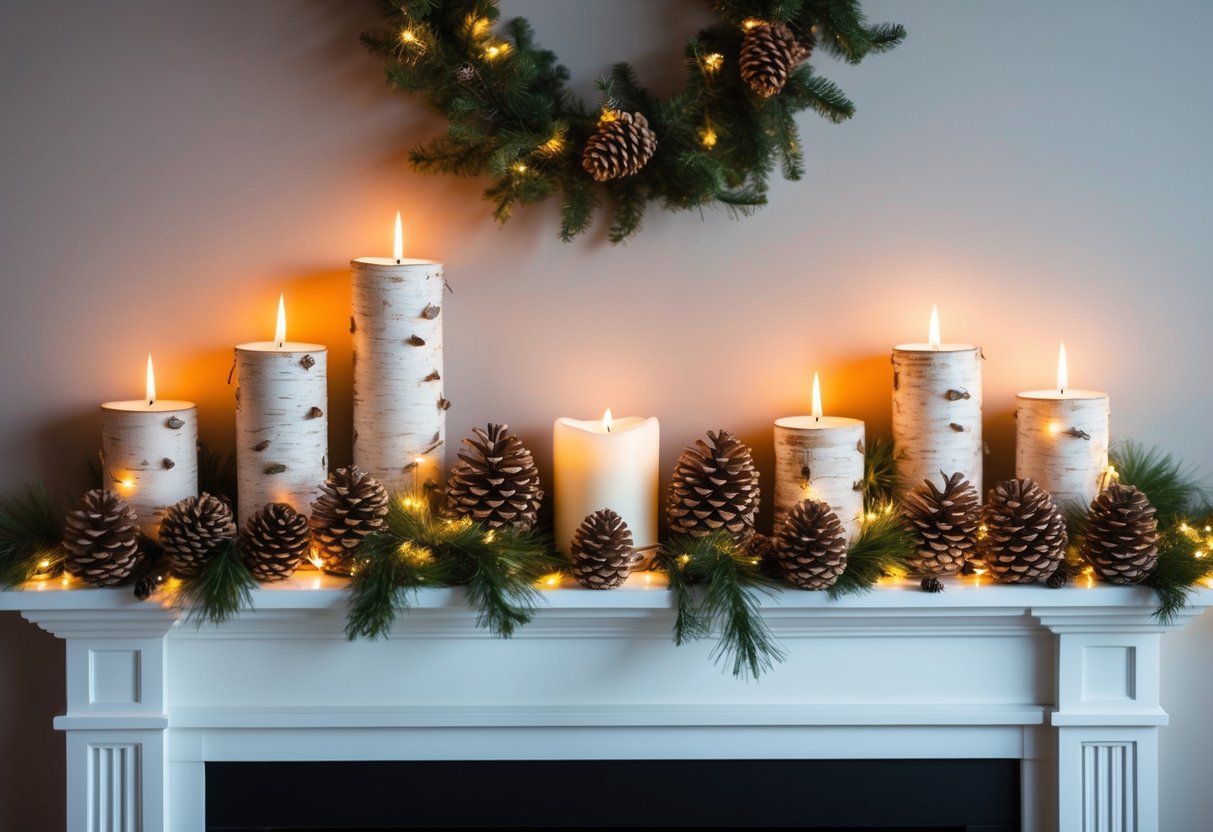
(933, 338)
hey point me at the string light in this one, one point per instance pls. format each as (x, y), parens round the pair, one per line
(478, 26)
(496, 50)
(750, 22)
(520, 168)
(553, 145)
(712, 62)
(408, 37)
(707, 136)
(552, 580)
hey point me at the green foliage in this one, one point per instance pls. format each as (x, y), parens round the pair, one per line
(221, 590)
(29, 536)
(882, 548)
(1172, 488)
(879, 473)
(1179, 566)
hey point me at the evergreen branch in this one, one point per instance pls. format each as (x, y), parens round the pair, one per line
(384, 581)
(884, 36)
(879, 473)
(1172, 488)
(882, 548)
(29, 536)
(221, 590)
(688, 623)
(818, 94)
(1179, 568)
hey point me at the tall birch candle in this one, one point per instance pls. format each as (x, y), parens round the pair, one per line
(282, 427)
(820, 458)
(606, 463)
(399, 407)
(1061, 438)
(936, 410)
(149, 453)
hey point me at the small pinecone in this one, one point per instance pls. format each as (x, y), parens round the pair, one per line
(715, 486)
(812, 545)
(1122, 535)
(496, 482)
(602, 551)
(102, 537)
(192, 529)
(466, 73)
(765, 550)
(1059, 578)
(353, 506)
(931, 584)
(622, 145)
(943, 523)
(1025, 536)
(147, 585)
(769, 53)
(275, 538)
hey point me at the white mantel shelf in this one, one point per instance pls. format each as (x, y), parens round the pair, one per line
(1064, 680)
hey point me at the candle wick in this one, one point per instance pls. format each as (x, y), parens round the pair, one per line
(608, 427)
(816, 418)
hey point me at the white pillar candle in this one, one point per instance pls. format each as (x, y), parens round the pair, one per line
(281, 422)
(399, 407)
(820, 458)
(606, 463)
(149, 453)
(1061, 438)
(936, 411)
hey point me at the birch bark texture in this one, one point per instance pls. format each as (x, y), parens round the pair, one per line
(149, 456)
(820, 459)
(399, 407)
(937, 413)
(282, 427)
(1061, 441)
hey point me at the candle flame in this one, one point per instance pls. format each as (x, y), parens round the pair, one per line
(816, 397)
(398, 245)
(280, 330)
(1063, 371)
(606, 420)
(933, 328)
(151, 382)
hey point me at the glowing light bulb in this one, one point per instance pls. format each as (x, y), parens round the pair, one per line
(708, 137)
(816, 398)
(713, 61)
(1063, 371)
(408, 36)
(606, 421)
(280, 329)
(933, 328)
(398, 242)
(151, 382)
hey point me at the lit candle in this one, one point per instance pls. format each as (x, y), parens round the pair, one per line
(399, 407)
(281, 422)
(149, 452)
(820, 458)
(1061, 438)
(936, 410)
(606, 463)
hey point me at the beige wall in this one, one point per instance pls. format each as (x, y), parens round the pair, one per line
(1040, 170)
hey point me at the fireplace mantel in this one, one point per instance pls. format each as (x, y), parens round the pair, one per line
(1065, 680)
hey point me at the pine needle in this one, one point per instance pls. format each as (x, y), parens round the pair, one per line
(879, 473)
(222, 590)
(882, 548)
(1172, 487)
(385, 580)
(29, 536)
(1179, 568)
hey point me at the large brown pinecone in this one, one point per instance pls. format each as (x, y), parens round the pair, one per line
(1122, 535)
(769, 53)
(273, 541)
(353, 506)
(1025, 538)
(812, 545)
(496, 481)
(602, 551)
(192, 529)
(102, 538)
(622, 145)
(944, 524)
(715, 486)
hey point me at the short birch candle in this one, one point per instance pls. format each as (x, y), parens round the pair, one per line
(149, 453)
(936, 410)
(606, 463)
(281, 422)
(1061, 438)
(820, 458)
(399, 407)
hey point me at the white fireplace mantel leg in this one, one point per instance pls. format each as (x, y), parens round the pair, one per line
(116, 722)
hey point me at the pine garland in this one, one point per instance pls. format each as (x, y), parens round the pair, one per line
(882, 548)
(879, 473)
(221, 590)
(29, 537)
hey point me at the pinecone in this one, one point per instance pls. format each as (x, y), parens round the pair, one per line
(769, 53)
(102, 538)
(943, 523)
(715, 486)
(496, 482)
(192, 529)
(621, 146)
(1025, 537)
(812, 545)
(466, 73)
(602, 551)
(274, 540)
(1122, 535)
(765, 551)
(353, 506)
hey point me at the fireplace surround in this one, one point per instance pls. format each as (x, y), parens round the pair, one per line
(1064, 681)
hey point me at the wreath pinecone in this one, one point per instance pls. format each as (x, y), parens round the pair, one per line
(274, 539)
(621, 146)
(769, 53)
(1025, 537)
(353, 505)
(602, 549)
(102, 538)
(943, 523)
(1121, 542)
(715, 486)
(812, 545)
(192, 529)
(496, 481)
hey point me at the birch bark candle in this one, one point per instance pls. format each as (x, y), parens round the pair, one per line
(399, 407)
(607, 463)
(1061, 438)
(936, 410)
(820, 458)
(282, 423)
(149, 453)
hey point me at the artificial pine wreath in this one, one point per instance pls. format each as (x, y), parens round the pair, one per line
(715, 143)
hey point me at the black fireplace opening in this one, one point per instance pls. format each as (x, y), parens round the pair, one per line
(852, 795)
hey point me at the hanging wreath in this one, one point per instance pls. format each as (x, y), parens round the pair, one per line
(714, 143)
